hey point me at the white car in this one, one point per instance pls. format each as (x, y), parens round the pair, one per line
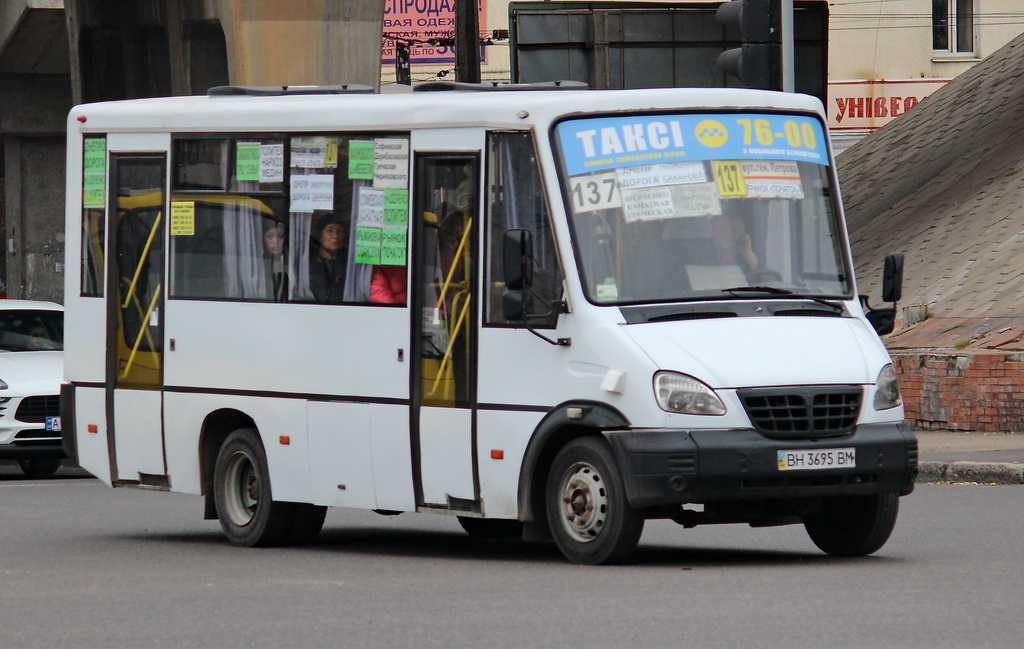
(31, 371)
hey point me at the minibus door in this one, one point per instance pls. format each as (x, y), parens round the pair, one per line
(134, 374)
(444, 337)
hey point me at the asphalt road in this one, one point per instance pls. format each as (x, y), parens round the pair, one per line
(86, 566)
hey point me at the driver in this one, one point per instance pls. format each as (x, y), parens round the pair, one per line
(732, 243)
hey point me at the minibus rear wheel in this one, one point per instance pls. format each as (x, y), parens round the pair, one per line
(242, 495)
(590, 518)
(853, 526)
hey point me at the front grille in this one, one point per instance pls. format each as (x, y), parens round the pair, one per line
(787, 413)
(35, 410)
(37, 433)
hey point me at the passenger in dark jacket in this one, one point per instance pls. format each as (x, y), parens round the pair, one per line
(327, 260)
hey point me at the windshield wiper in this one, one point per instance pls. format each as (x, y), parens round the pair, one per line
(783, 291)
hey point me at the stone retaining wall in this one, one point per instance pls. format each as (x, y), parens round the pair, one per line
(966, 391)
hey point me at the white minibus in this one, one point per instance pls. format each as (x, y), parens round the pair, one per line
(553, 313)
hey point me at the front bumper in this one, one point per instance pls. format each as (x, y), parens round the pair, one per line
(670, 466)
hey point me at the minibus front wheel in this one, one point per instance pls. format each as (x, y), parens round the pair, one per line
(590, 518)
(853, 526)
(248, 515)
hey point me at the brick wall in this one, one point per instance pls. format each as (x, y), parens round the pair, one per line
(967, 391)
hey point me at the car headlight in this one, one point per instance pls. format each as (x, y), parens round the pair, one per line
(3, 385)
(887, 389)
(684, 394)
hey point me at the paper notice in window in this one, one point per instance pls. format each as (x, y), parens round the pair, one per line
(94, 173)
(396, 207)
(659, 175)
(370, 210)
(390, 163)
(247, 161)
(360, 159)
(312, 192)
(272, 163)
(772, 179)
(309, 152)
(669, 202)
(183, 218)
(393, 244)
(699, 199)
(367, 245)
(648, 204)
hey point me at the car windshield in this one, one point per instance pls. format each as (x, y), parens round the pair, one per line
(697, 206)
(26, 330)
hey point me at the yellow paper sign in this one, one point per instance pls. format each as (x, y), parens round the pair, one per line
(183, 218)
(729, 177)
(331, 152)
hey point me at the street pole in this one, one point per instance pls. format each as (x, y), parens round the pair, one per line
(467, 41)
(788, 56)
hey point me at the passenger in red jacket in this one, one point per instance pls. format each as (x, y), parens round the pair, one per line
(388, 285)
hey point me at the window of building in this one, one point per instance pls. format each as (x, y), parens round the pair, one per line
(953, 27)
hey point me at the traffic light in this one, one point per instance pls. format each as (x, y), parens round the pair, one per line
(758, 61)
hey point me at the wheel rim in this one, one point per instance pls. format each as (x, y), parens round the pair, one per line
(241, 488)
(584, 502)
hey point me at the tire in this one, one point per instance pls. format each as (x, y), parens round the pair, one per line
(307, 521)
(585, 500)
(39, 466)
(853, 526)
(242, 494)
(491, 528)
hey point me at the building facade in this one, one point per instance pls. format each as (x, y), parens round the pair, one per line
(57, 53)
(884, 57)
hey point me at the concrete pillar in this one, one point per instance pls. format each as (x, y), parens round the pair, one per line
(275, 42)
(32, 121)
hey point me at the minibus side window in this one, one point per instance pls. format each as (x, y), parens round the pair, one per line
(305, 218)
(228, 221)
(94, 200)
(349, 218)
(516, 199)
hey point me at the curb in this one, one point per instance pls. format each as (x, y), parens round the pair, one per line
(1000, 473)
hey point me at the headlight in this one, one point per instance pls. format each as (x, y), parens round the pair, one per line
(887, 389)
(3, 386)
(684, 394)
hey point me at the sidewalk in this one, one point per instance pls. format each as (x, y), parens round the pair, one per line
(988, 458)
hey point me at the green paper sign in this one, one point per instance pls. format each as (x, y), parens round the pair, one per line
(247, 161)
(396, 207)
(360, 160)
(94, 172)
(393, 244)
(367, 245)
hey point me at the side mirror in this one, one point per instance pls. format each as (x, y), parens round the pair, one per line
(517, 260)
(892, 278)
(517, 256)
(883, 321)
(515, 304)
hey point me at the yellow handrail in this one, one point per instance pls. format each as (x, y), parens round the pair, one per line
(142, 260)
(455, 261)
(142, 317)
(447, 358)
(142, 330)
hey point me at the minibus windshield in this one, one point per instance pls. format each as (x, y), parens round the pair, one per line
(701, 206)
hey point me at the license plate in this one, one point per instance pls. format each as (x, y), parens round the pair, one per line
(830, 458)
(53, 423)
